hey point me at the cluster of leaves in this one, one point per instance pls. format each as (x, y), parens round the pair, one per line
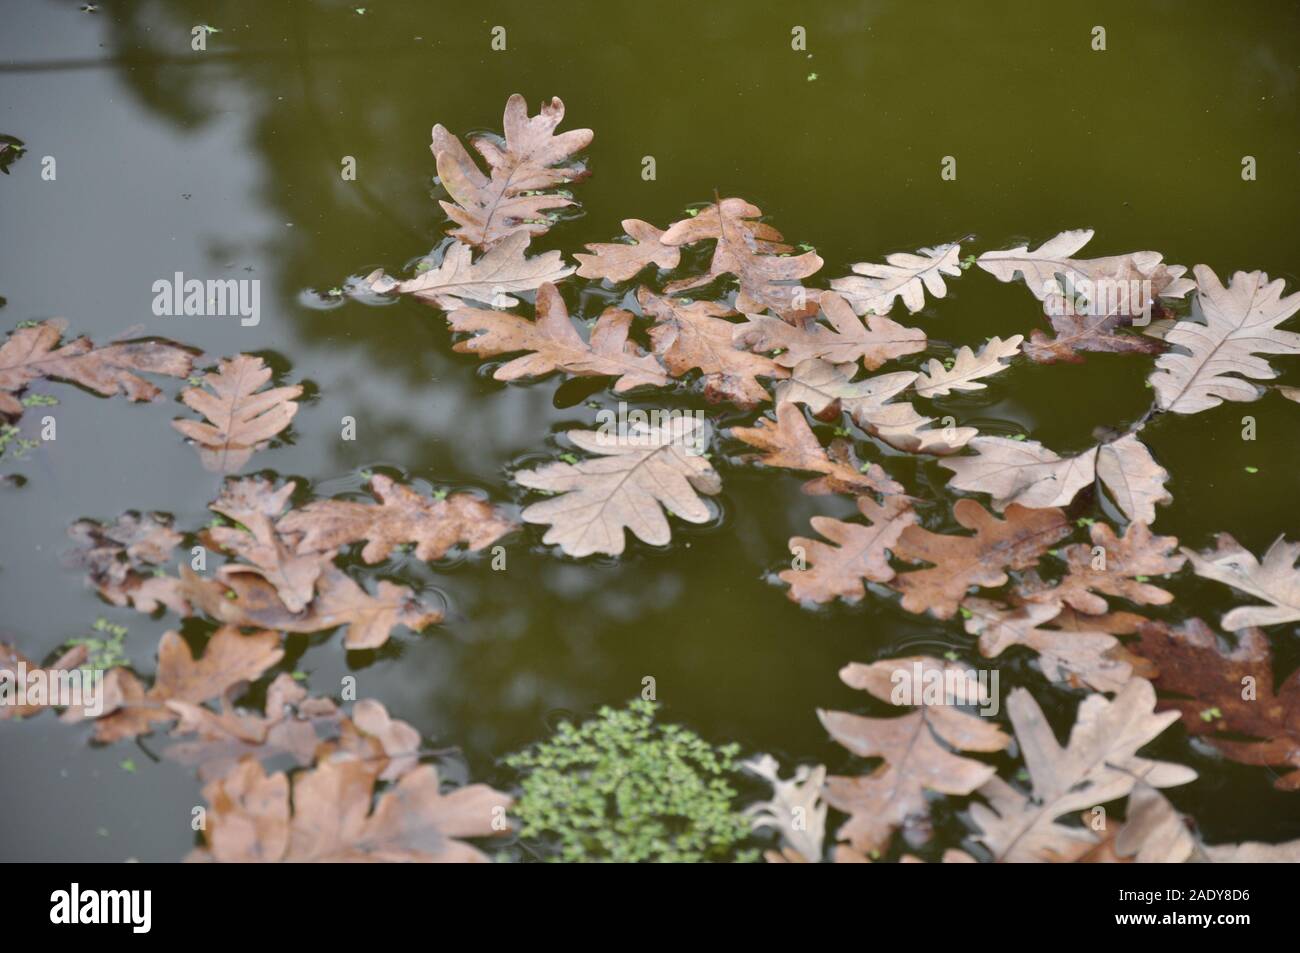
(621, 787)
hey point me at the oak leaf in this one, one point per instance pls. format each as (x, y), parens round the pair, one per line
(628, 483)
(844, 339)
(959, 562)
(498, 274)
(513, 196)
(555, 345)
(755, 253)
(331, 820)
(243, 417)
(1044, 268)
(402, 516)
(855, 552)
(795, 809)
(1275, 580)
(20, 677)
(698, 336)
(33, 353)
(1208, 687)
(915, 748)
(1230, 328)
(872, 288)
(788, 442)
(245, 599)
(1099, 764)
(123, 560)
(968, 368)
(621, 261)
(228, 660)
(1113, 566)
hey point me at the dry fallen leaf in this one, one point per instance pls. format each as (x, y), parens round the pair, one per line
(401, 516)
(1099, 764)
(1026, 472)
(513, 196)
(33, 353)
(22, 675)
(873, 288)
(1154, 832)
(844, 339)
(788, 442)
(1078, 657)
(1228, 692)
(1239, 323)
(960, 562)
(634, 478)
(228, 660)
(499, 273)
(1043, 267)
(698, 336)
(1114, 566)
(554, 344)
(1276, 580)
(243, 417)
(855, 552)
(621, 261)
(968, 368)
(245, 599)
(122, 560)
(915, 749)
(755, 253)
(250, 820)
(795, 809)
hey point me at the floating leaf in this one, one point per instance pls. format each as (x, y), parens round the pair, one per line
(621, 261)
(873, 288)
(855, 552)
(243, 417)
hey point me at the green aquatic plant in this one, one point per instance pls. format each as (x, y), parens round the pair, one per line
(623, 788)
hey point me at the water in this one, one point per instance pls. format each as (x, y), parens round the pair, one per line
(215, 163)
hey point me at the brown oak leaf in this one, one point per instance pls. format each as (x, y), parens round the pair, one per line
(621, 261)
(854, 553)
(121, 560)
(843, 339)
(243, 417)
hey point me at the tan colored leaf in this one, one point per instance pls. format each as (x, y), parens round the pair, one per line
(698, 336)
(243, 417)
(1041, 267)
(1230, 328)
(968, 368)
(844, 339)
(250, 821)
(216, 742)
(900, 426)
(554, 344)
(633, 478)
(1135, 481)
(1114, 566)
(1020, 471)
(788, 442)
(402, 516)
(499, 273)
(1077, 658)
(959, 562)
(873, 288)
(512, 197)
(247, 600)
(252, 503)
(33, 353)
(229, 659)
(795, 809)
(121, 560)
(1276, 580)
(1154, 832)
(753, 252)
(855, 552)
(915, 748)
(1208, 687)
(820, 384)
(1099, 764)
(1097, 321)
(622, 261)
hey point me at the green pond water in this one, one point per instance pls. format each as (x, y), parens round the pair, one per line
(226, 164)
